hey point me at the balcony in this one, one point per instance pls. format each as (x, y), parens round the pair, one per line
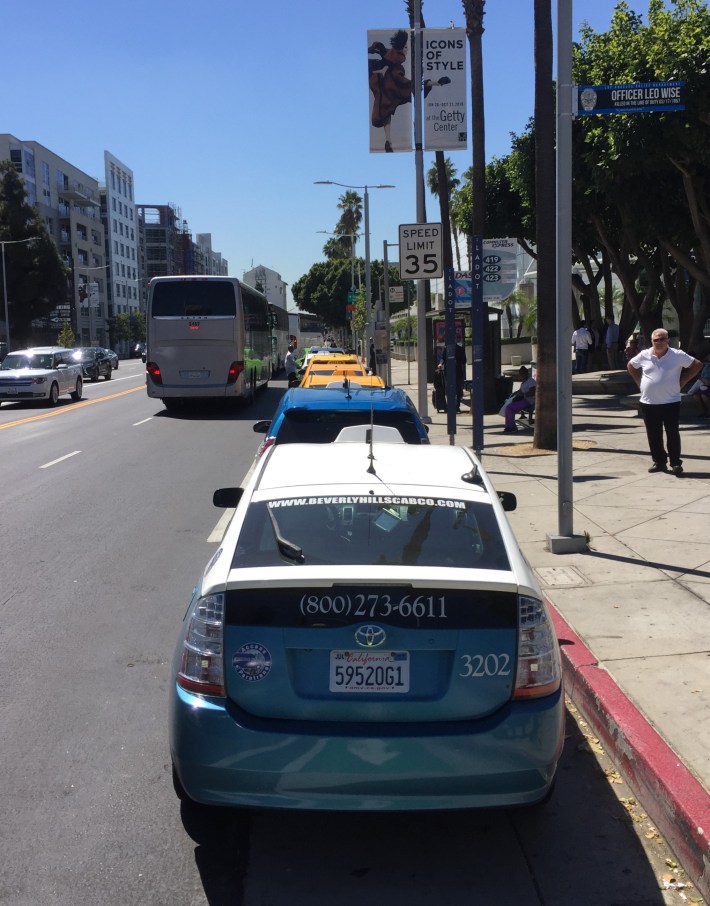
(81, 196)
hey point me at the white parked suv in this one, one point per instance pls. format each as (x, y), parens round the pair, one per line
(42, 373)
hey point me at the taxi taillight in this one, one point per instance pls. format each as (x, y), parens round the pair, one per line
(202, 663)
(539, 669)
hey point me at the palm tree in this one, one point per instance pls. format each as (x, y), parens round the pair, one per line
(350, 203)
(337, 247)
(451, 183)
(546, 401)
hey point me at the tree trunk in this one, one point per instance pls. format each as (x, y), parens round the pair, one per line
(473, 10)
(545, 436)
(443, 180)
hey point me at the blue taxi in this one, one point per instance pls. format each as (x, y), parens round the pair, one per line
(367, 636)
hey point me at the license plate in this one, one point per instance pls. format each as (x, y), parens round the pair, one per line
(194, 375)
(369, 671)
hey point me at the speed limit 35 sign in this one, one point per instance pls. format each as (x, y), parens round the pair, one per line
(420, 251)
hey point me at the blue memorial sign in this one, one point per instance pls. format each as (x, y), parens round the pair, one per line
(640, 97)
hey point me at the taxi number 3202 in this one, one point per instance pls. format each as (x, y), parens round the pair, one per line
(478, 665)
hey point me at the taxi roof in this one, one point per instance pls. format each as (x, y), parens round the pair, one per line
(435, 469)
(342, 398)
(325, 380)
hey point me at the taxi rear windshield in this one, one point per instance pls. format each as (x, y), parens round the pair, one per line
(371, 531)
(311, 426)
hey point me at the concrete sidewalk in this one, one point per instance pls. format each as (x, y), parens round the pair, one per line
(633, 611)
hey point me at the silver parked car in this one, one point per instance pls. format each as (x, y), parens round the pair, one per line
(43, 373)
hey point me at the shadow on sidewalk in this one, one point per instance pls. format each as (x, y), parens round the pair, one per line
(653, 564)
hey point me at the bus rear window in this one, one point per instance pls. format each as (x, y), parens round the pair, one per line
(198, 299)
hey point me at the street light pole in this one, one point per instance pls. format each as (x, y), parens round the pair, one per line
(3, 243)
(366, 211)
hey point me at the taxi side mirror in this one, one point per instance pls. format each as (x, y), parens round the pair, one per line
(508, 500)
(227, 498)
(262, 426)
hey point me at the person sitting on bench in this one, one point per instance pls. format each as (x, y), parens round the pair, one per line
(523, 398)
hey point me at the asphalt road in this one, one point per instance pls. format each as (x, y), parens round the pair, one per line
(107, 522)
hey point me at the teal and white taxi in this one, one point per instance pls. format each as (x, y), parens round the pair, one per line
(367, 636)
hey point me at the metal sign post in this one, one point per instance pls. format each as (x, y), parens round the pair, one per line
(478, 326)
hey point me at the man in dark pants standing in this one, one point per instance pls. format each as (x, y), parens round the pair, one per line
(659, 373)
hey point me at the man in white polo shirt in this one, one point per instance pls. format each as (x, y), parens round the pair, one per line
(659, 373)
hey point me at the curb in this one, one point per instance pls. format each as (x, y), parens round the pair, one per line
(674, 800)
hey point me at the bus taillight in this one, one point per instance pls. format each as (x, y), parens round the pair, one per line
(235, 369)
(154, 372)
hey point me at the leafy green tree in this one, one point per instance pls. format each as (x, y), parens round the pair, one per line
(36, 279)
(324, 290)
(647, 174)
(66, 336)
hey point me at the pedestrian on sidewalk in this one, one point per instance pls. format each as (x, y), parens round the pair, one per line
(460, 358)
(372, 358)
(632, 349)
(701, 389)
(659, 374)
(582, 341)
(611, 340)
(291, 366)
(523, 398)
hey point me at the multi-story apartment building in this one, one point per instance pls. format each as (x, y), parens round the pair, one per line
(68, 202)
(166, 245)
(120, 220)
(269, 283)
(212, 262)
(159, 237)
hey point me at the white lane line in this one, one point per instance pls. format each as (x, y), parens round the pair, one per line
(61, 459)
(149, 419)
(218, 531)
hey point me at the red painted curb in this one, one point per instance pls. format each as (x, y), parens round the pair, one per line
(675, 801)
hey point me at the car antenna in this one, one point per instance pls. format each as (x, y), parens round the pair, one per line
(346, 387)
(371, 434)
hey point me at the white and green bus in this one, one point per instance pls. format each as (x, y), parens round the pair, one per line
(207, 338)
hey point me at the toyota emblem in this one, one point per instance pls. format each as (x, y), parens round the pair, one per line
(370, 636)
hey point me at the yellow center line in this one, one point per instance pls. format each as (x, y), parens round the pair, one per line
(72, 408)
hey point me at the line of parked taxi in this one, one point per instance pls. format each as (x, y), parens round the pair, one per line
(368, 634)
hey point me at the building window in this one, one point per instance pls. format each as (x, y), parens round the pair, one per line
(16, 158)
(45, 173)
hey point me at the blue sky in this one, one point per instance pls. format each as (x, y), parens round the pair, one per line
(231, 109)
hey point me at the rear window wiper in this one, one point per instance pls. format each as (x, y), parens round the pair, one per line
(286, 548)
